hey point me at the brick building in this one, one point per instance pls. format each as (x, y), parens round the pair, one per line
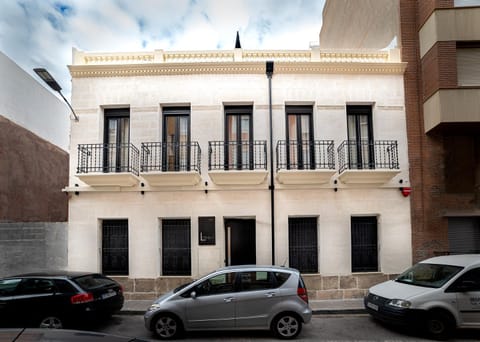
(442, 87)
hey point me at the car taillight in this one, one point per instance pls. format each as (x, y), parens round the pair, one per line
(82, 298)
(302, 293)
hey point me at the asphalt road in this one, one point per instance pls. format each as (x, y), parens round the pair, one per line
(335, 328)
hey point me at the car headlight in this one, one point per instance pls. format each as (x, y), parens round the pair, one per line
(400, 303)
(153, 307)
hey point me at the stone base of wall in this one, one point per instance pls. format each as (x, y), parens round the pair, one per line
(319, 287)
(342, 287)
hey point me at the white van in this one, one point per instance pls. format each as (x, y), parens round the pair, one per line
(438, 294)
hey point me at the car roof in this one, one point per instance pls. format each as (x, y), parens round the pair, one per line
(54, 274)
(464, 260)
(258, 267)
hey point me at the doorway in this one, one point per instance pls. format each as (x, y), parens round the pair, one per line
(240, 242)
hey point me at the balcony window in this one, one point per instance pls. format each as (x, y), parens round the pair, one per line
(360, 137)
(300, 152)
(239, 138)
(116, 138)
(176, 138)
(468, 64)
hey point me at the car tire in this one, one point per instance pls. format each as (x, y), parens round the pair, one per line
(51, 322)
(439, 325)
(286, 326)
(167, 327)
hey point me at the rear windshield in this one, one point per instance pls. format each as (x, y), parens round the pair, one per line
(92, 281)
(428, 275)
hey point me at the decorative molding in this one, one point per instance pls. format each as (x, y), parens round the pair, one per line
(130, 58)
(331, 107)
(206, 108)
(145, 109)
(395, 108)
(161, 69)
(266, 107)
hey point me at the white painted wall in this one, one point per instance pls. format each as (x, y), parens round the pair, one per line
(207, 94)
(29, 104)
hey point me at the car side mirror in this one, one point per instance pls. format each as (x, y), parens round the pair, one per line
(193, 295)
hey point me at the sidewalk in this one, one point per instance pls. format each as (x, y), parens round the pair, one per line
(319, 307)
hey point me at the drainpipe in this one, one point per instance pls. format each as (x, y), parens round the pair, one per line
(269, 72)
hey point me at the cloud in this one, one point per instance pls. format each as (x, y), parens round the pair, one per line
(42, 33)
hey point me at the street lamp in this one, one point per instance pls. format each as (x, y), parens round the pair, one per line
(48, 79)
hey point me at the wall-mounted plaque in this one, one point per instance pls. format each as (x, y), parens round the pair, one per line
(206, 230)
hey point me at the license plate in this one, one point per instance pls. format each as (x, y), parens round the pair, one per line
(108, 294)
(372, 306)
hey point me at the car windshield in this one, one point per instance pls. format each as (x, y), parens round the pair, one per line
(181, 287)
(428, 275)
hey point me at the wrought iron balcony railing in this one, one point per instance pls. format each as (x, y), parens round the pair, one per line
(305, 155)
(107, 158)
(237, 155)
(364, 154)
(164, 156)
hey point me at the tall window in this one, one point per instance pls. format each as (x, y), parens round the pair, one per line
(302, 244)
(360, 137)
(116, 140)
(115, 247)
(176, 138)
(300, 150)
(238, 138)
(364, 244)
(176, 253)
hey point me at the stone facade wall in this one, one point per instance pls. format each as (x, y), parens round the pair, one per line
(319, 287)
(32, 246)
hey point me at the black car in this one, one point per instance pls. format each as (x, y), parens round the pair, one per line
(57, 300)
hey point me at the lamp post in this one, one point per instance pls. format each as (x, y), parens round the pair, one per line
(48, 79)
(269, 73)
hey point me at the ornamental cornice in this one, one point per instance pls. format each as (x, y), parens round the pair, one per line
(164, 69)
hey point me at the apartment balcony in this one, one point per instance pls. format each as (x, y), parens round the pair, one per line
(237, 162)
(171, 164)
(455, 24)
(451, 107)
(305, 162)
(108, 164)
(368, 162)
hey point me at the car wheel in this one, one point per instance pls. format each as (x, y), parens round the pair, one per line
(167, 327)
(439, 325)
(286, 326)
(51, 322)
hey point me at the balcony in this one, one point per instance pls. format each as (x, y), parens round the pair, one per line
(368, 162)
(305, 162)
(237, 162)
(171, 164)
(108, 164)
(450, 107)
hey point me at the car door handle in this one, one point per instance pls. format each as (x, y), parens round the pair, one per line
(228, 300)
(270, 294)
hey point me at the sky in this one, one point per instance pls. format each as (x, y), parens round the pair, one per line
(42, 33)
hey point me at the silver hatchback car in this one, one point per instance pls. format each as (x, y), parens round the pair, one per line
(234, 298)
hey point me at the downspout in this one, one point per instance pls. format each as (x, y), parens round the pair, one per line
(269, 72)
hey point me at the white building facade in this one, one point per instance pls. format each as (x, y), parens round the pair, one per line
(184, 162)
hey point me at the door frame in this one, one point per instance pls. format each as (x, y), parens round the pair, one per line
(228, 237)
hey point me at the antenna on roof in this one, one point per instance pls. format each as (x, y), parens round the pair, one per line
(237, 42)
